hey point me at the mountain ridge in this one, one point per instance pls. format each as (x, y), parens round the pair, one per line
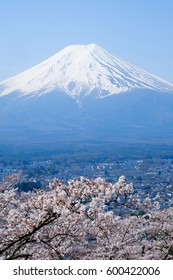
(78, 70)
(84, 94)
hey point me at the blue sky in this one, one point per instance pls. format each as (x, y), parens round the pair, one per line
(138, 31)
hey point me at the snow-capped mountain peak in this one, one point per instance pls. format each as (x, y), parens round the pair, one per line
(81, 69)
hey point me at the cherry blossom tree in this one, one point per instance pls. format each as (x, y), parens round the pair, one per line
(79, 220)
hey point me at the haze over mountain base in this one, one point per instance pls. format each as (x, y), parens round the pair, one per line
(132, 117)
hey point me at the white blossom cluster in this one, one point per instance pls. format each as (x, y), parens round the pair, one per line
(73, 221)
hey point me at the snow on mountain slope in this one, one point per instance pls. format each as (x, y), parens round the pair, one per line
(79, 70)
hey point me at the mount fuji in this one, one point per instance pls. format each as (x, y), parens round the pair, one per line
(83, 93)
(81, 69)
